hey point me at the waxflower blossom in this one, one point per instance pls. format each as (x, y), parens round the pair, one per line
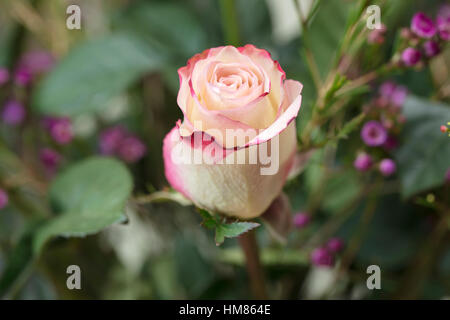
(411, 56)
(301, 219)
(377, 36)
(387, 167)
(386, 89)
(431, 48)
(335, 245)
(4, 76)
(131, 149)
(50, 159)
(423, 26)
(373, 133)
(110, 139)
(391, 143)
(13, 113)
(36, 62)
(443, 22)
(60, 129)
(3, 199)
(363, 162)
(398, 97)
(118, 141)
(393, 93)
(322, 257)
(22, 76)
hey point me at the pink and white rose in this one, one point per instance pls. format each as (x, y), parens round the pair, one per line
(236, 105)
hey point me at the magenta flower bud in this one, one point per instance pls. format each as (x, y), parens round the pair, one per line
(60, 129)
(391, 143)
(373, 133)
(411, 56)
(322, 257)
(4, 76)
(131, 149)
(398, 97)
(335, 245)
(37, 62)
(386, 89)
(110, 140)
(301, 219)
(376, 36)
(423, 26)
(13, 113)
(50, 159)
(443, 22)
(363, 162)
(22, 76)
(387, 167)
(3, 199)
(431, 48)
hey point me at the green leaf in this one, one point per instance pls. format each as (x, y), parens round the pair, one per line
(231, 230)
(93, 73)
(171, 25)
(209, 221)
(424, 154)
(89, 196)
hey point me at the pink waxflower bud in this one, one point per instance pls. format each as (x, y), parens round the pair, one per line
(131, 149)
(431, 48)
(23, 76)
(301, 219)
(363, 162)
(411, 56)
(3, 199)
(322, 257)
(423, 26)
(13, 113)
(4, 76)
(391, 143)
(60, 129)
(50, 159)
(335, 245)
(387, 167)
(443, 22)
(376, 36)
(110, 139)
(36, 62)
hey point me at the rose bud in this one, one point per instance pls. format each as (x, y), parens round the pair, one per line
(235, 147)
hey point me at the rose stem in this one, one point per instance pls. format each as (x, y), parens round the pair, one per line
(255, 271)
